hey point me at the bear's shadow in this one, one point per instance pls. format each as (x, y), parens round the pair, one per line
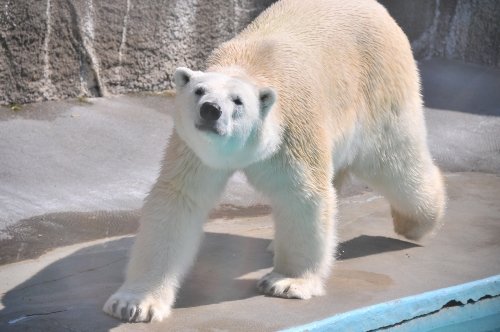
(77, 285)
(72, 290)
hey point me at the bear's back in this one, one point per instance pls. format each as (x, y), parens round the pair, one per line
(346, 47)
(331, 61)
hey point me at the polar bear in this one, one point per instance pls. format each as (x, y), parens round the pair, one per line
(308, 93)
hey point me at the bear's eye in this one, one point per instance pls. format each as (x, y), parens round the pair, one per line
(199, 92)
(237, 101)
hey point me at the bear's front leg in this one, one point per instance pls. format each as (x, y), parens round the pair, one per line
(304, 210)
(169, 236)
(303, 246)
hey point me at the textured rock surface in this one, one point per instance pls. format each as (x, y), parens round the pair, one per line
(66, 48)
(466, 30)
(54, 49)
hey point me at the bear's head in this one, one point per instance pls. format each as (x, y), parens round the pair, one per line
(224, 119)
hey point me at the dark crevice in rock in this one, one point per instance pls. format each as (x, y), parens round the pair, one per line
(88, 73)
(9, 57)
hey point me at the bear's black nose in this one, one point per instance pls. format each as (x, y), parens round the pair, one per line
(210, 111)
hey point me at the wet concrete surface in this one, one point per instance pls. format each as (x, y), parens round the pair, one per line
(94, 157)
(32, 237)
(77, 171)
(65, 289)
(90, 180)
(79, 157)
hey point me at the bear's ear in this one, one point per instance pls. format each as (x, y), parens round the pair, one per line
(182, 76)
(267, 98)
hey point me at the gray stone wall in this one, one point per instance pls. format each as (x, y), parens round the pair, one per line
(465, 30)
(52, 49)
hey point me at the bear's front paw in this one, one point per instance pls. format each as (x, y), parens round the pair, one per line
(275, 284)
(134, 306)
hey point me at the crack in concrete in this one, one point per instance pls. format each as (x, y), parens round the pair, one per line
(19, 319)
(68, 276)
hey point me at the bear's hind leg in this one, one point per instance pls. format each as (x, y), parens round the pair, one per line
(400, 167)
(425, 209)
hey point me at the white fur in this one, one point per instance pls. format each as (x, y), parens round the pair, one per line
(253, 137)
(171, 229)
(327, 88)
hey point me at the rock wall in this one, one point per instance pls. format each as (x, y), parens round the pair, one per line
(465, 30)
(52, 49)
(55, 49)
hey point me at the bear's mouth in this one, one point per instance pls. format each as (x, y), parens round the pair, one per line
(209, 128)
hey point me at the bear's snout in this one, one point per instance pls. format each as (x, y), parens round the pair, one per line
(210, 111)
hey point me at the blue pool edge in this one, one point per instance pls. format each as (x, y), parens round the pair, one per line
(401, 311)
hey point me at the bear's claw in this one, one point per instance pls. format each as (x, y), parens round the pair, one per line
(131, 307)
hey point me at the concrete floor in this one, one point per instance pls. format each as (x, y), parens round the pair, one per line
(74, 172)
(64, 289)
